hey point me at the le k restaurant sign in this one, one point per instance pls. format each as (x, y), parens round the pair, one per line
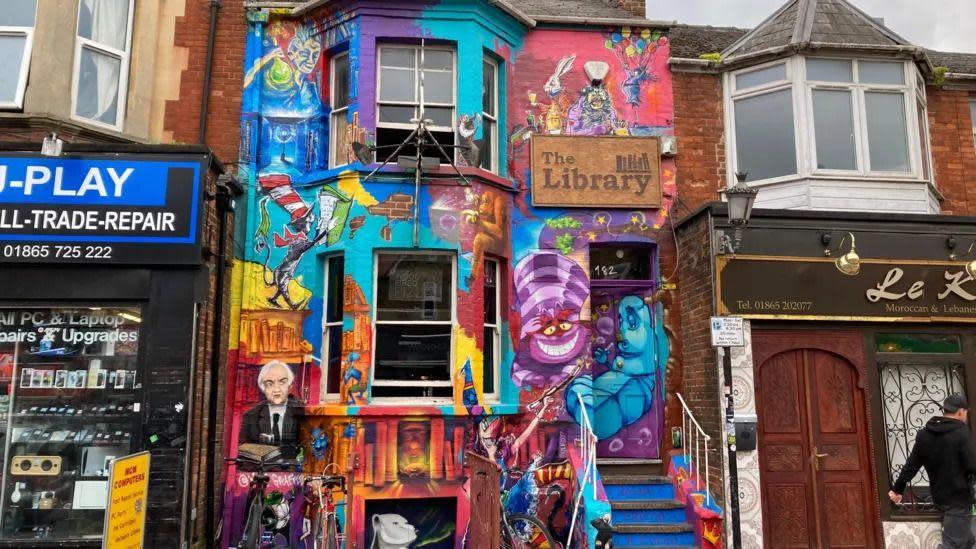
(603, 172)
(813, 289)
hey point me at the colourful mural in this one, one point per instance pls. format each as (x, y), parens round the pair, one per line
(495, 340)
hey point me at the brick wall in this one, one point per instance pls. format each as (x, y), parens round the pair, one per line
(698, 126)
(953, 154)
(224, 110)
(700, 371)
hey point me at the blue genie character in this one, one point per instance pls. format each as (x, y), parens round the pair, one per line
(625, 393)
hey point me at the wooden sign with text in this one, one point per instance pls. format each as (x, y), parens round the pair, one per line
(603, 172)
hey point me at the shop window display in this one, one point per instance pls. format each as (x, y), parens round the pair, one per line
(71, 402)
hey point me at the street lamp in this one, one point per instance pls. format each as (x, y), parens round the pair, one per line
(740, 199)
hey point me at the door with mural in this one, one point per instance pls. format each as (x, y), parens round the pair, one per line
(815, 461)
(627, 384)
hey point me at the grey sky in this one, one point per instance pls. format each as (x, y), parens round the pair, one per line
(948, 25)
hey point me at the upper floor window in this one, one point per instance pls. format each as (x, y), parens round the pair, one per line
(489, 114)
(493, 339)
(16, 34)
(101, 69)
(399, 96)
(972, 116)
(332, 328)
(857, 117)
(339, 102)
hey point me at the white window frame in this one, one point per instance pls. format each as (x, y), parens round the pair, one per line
(427, 103)
(123, 57)
(449, 382)
(972, 116)
(732, 94)
(324, 394)
(495, 326)
(486, 58)
(28, 34)
(335, 112)
(805, 138)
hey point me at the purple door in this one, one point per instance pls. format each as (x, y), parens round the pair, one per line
(627, 382)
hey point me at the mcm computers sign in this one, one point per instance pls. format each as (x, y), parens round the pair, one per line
(110, 208)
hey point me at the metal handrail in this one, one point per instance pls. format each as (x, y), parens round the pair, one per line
(687, 420)
(588, 454)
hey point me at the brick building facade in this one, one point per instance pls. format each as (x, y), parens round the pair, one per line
(117, 82)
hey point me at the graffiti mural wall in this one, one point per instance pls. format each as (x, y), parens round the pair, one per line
(382, 331)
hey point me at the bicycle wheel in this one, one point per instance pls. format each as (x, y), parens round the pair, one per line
(252, 526)
(525, 532)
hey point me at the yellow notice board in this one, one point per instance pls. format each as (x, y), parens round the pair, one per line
(128, 492)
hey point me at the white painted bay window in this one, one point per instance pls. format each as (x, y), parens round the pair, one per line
(489, 114)
(332, 329)
(339, 102)
(762, 110)
(16, 37)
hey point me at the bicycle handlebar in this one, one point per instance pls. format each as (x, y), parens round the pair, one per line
(328, 480)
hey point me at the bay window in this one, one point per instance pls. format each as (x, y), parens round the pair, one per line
(339, 102)
(399, 97)
(16, 37)
(492, 324)
(489, 114)
(414, 318)
(762, 107)
(847, 118)
(332, 328)
(101, 66)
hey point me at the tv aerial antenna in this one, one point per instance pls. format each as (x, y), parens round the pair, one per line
(421, 138)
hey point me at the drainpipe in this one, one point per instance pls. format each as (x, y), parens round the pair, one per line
(225, 205)
(207, 69)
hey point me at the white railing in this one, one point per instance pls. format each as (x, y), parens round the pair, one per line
(588, 455)
(693, 456)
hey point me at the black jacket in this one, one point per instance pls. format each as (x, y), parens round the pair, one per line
(945, 448)
(257, 422)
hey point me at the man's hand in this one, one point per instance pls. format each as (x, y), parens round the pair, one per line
(894, 497)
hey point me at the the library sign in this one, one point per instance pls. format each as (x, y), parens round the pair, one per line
(101, 208)
(600, 172)
(813, 289)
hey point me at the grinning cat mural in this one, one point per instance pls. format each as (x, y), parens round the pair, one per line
(403, 331)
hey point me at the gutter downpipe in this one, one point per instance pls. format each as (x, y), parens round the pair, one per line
(207, 71)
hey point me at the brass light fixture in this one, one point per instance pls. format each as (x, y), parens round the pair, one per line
(849, 263)
(969, 266)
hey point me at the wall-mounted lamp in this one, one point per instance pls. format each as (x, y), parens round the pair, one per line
(849, 263)
(970, 265)
(740, 199)
(52, 144)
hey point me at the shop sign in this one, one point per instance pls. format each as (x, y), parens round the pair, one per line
(599, 172)
(813, 289)
(100, 208)
(128, 492)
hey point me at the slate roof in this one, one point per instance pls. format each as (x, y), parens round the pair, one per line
(690, 41)
(961, 63)
(822, 21)
(541, 9)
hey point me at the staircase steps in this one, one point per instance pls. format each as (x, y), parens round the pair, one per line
(645, 514)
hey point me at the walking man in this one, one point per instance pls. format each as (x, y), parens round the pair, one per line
(945, 448)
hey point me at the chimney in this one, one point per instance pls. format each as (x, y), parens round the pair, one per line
(637, 7)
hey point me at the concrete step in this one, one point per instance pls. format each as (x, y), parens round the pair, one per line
(653, 535)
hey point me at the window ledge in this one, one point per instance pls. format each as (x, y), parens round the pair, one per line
(402, 409)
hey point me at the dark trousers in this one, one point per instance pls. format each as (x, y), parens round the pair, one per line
(957, 531)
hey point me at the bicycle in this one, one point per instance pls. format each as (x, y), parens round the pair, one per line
(520, 531)
(325, 532)
(255, 529)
